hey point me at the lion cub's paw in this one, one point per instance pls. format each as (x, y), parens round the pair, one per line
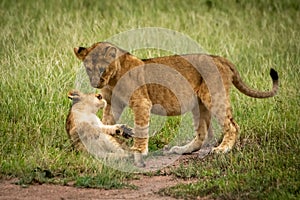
(138, 160)
(174, 150)
(124, 130)
(127, 131)
(221, 149)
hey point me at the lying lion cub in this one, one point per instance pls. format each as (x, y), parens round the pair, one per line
(170, 85)
(87, 132)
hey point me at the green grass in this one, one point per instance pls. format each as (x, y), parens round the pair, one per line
(38, 68)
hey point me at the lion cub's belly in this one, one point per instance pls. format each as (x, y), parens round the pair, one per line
(168, 102)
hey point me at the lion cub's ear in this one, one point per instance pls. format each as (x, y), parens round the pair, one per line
(73, 94)
(99, 96)
(81, 52)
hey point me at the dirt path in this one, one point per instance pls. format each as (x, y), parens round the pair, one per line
(148, 187)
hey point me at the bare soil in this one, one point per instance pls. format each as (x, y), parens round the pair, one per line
(147, 188)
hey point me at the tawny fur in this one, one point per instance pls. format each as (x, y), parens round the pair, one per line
(198, 83)
(87, 132)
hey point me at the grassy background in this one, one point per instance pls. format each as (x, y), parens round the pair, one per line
(38, 68)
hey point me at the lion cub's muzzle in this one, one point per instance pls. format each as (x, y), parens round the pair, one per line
(97, 82)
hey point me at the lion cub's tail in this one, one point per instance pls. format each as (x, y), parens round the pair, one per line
(242, 87)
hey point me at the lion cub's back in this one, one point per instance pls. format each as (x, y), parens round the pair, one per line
(72, 132)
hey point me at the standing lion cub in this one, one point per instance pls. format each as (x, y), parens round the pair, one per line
(170, 85)
(87, 132)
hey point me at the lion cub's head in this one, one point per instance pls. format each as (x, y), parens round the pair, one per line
(101, 62)
(86, 102)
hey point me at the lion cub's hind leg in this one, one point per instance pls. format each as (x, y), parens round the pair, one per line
(230, 130)
(201, 119)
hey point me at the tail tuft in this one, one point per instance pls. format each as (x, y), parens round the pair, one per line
(274, 74)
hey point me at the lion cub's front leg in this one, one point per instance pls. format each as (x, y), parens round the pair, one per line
(141, 110)
(117, 129)
(109, 120)
(108, 117)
